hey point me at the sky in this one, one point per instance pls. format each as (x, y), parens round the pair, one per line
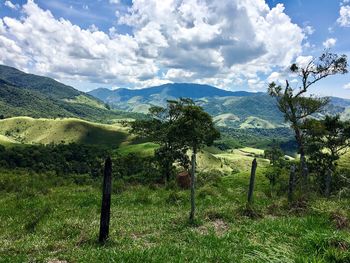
(230, 44)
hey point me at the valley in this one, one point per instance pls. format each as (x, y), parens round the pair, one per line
(53, 144)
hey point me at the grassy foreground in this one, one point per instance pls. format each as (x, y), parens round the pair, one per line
(44, 218)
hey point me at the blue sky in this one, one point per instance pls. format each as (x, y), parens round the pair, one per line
(232, 44)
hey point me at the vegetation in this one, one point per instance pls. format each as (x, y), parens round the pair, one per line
(296, 107)
(327, 140)
(46, 217)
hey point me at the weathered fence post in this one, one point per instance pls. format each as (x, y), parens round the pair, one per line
(291, 183)
(252, 180)
(328, 182)
(193, 185)
(106, 201)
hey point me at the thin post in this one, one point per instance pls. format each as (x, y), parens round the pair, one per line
(106, 201)
(291, 183)
(193, 185)
(252, 181)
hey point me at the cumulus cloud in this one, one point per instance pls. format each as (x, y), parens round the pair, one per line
(216, 42)
(11, 5)
(344, 16)
(347, 86)
(330, 42)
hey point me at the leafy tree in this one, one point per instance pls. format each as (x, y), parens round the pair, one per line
(161, 129)
(194, 129)
(276, 157)
(327, 140)
(274, 153)
(294, 103)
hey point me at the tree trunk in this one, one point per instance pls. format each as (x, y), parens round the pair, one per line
(328, 182)
(167, 173)
(193, 184)
(106, 201)
(304, 170)
(252, 181)
(303, 165)
(291, 183)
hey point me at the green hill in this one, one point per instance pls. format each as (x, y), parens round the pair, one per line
(27, 130)
(24, 94)
(255, 122)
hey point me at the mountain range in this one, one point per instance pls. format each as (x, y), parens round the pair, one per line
(234, 109)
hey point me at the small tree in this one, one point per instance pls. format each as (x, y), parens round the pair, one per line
(194, 129)
(293, 103)
(275, 155)
(326, 141)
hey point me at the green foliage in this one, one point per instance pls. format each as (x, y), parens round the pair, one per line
(327, 140)
(63, 159)
(257, 138)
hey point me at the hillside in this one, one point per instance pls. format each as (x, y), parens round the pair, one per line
(44, 131)
(24, 94)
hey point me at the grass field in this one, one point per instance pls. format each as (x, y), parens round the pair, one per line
(44, 131)
(45, 218)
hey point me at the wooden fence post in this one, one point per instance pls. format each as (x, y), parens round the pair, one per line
(252, 181)
(106, 201)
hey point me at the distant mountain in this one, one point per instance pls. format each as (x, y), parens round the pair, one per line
(238, 109)
(23, 94)
(171, 90)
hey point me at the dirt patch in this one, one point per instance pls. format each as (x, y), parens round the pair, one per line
(339, 220)
(219, 226)
(299, 207)
(57, 261)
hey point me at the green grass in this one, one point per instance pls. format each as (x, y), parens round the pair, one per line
(27, 130)
(143, 149)
(83, 99)
(44, 217)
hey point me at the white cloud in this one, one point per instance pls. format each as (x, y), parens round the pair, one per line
(219, 42)
(11, 5)
(309, 30)
(344, 18)
(347, 86)
(330, 42)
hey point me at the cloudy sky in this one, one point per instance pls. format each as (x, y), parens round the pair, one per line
(232, 44)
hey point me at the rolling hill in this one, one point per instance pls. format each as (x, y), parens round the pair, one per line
(23, 94)
(26, 130)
